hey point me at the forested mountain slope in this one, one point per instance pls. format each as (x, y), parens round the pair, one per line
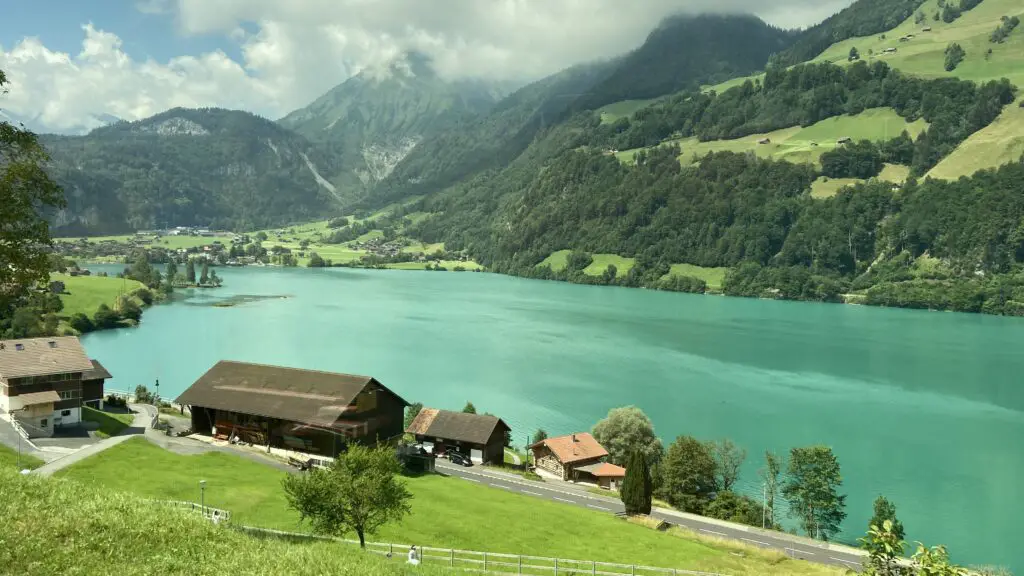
(370, 122)
(211, 167)
(684, 52)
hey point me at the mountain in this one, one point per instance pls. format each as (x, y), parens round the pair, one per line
(685, 52)
(373, 120)
(210, 167)
(862, 18)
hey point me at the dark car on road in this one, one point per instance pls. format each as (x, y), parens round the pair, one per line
(459, 458)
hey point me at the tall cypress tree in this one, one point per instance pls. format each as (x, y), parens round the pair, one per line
(190, 272)
(636, 487)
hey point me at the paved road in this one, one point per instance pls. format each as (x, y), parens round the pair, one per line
(793, 547)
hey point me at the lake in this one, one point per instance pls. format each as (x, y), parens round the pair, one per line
(925, 408)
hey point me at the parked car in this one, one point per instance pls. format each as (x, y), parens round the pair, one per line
(460, 458)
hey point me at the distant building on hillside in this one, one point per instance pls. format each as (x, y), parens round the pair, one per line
(304, 410)
(479, 436)
(579, 458)
(844, 140)
(44, 382)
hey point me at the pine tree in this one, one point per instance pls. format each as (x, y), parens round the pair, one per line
(636, 487)
(204, 277)
(190, 272)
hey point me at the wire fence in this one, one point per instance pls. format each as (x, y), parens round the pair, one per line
(490, 562)
(215, 515)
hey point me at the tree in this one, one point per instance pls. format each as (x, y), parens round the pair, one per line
(360, 492)
(955, 54)
(688, 474)
(637, 488)
(129, 309)
(190, 271)
(411, 412)
(886, 510)
(26, 192)
(315, 261)
(469, 408)
(626, 429)
(885, 550)
(539, 436)
(728, 459)
(170, 273)
(770, 476)
(204, 276)
(854, 54)
(25, 324)
(811, 488)
(261, 236)
(140, 269)
(214, 279)
(105, 318)
(727, 505)
(81, 323)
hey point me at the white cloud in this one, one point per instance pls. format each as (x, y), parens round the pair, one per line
(301, 48)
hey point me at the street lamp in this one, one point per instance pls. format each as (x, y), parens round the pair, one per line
(157, 401)
(202, 496)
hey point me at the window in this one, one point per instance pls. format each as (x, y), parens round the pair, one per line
(65, 412)
(42, 423)
(69, 394)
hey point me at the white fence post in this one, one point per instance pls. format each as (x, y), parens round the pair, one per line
(485, 561)
(520, 564)
(556, 566)
(453, 557)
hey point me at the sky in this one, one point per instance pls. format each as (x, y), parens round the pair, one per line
(71, 62)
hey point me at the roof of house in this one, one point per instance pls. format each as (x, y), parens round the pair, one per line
(36, 398)
(306, 396)
(98, 372)
(573, 447)
(458, 426)
(42, 356)
(604, 470)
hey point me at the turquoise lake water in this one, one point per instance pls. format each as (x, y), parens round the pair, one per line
(925, 408)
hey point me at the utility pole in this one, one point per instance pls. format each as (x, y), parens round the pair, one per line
(764, 502)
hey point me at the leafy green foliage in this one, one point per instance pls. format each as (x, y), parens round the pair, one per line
(862, 18)
(539, 436)
(728, 460)
(688, 475)
(885, 511)
(625, 430)
(411, 412)
(637, 491)
(811, 487)
(770, 474)
(360, 492)
(955, 54)
(857, 160)
(727, 505)
(1006, 26)
(210, 167)
(25, 191)
(469, 408)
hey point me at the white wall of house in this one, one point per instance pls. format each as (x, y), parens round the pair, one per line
(5, 403)
(68, 416)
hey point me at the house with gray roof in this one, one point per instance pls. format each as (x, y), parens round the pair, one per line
(44, 382)
(479, 436)
(302, 410)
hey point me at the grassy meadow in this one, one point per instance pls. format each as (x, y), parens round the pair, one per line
(111, 423)
(440, 517)
(73, 528)
(85, 293)
(623, 109)
(9, 459)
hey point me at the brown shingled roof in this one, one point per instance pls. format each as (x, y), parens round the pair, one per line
(98, 372)
(307, 396)
(604, 470)
(457, 426)
(42, 356)
(573, 447)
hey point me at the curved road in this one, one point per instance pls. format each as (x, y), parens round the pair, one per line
(792, 546)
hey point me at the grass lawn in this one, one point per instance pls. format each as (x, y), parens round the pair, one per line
(601, 262)
(828, 187)
(615, 494)
(111, 423)
(9, 459)
(714, 277)
(85, 529)
(556, 260)
(1001, 142)
(85, 293)
(447, 512)
(623, 109)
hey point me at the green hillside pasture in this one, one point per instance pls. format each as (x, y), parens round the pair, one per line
(999, 143)
(448, 264)
(827, 187)
(556, 260)
(9, 459)
(253, 494)
(924, 55)
(803, 144)
(85, 293)
(624, 109)
(88, 530)
(421, 247)
(601, 262)
(714, 277)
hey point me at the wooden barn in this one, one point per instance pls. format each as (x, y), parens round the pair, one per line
(303, 410)
(479, 436)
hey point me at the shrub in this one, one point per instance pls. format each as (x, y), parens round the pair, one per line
(82, 323)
